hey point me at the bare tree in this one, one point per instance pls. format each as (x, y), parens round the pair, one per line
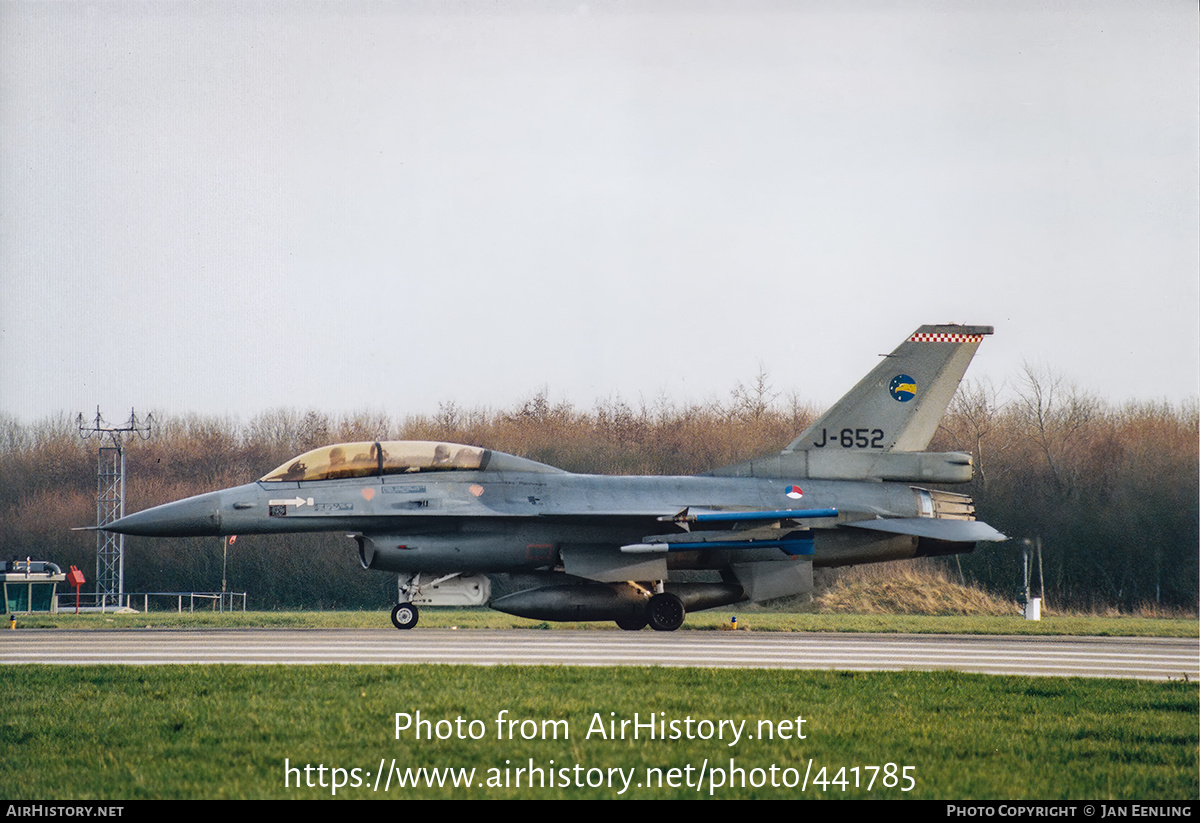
(753, 401)
(1056, 414)
(974, 412)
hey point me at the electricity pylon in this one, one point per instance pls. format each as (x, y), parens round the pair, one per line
(110, 503)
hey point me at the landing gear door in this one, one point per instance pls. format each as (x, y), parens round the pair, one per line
(608, 564)
(779, 578)
(426, 589)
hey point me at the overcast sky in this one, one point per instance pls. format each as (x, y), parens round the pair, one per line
(227, 207)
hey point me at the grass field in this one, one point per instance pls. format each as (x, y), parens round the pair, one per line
(701, 621)
(228, 732)
(250, 731)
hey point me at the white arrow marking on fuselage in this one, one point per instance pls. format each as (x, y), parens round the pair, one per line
(296, 501)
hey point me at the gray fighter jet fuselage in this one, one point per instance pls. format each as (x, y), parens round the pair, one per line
(853, 488)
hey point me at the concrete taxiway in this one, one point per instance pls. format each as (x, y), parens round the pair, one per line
(1114, 657)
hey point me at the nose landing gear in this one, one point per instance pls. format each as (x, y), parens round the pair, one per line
(405, 615)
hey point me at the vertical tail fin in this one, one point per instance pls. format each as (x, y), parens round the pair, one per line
(897, 407)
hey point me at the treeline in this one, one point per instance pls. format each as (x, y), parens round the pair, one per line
(1110, 490)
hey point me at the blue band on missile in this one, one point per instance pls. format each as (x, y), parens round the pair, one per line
(779, 514)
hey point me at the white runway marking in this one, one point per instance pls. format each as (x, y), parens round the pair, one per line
(1119, 657)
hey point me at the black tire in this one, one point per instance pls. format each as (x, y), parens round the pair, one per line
(632, 624)
(405, 615)
(665, 612)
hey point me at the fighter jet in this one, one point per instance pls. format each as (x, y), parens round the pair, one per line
(450, 519)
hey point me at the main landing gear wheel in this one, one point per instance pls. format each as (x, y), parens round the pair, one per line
(404, 616)
(665, 612)
(632, 624)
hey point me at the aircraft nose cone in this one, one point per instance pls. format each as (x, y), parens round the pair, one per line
(193, 517)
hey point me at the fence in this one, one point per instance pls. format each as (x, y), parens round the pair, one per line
(215, 601)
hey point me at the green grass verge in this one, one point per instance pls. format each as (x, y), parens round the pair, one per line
(701, 621)
(125, 732)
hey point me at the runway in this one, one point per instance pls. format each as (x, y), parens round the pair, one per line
(1112, 657)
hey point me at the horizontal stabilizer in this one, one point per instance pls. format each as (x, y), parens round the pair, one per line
(951, 531)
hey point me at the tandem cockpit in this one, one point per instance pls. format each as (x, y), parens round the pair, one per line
(391, 457)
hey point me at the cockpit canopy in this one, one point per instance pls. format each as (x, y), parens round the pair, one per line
(373, 459)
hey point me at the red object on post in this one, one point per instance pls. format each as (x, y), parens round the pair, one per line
(75, 578)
